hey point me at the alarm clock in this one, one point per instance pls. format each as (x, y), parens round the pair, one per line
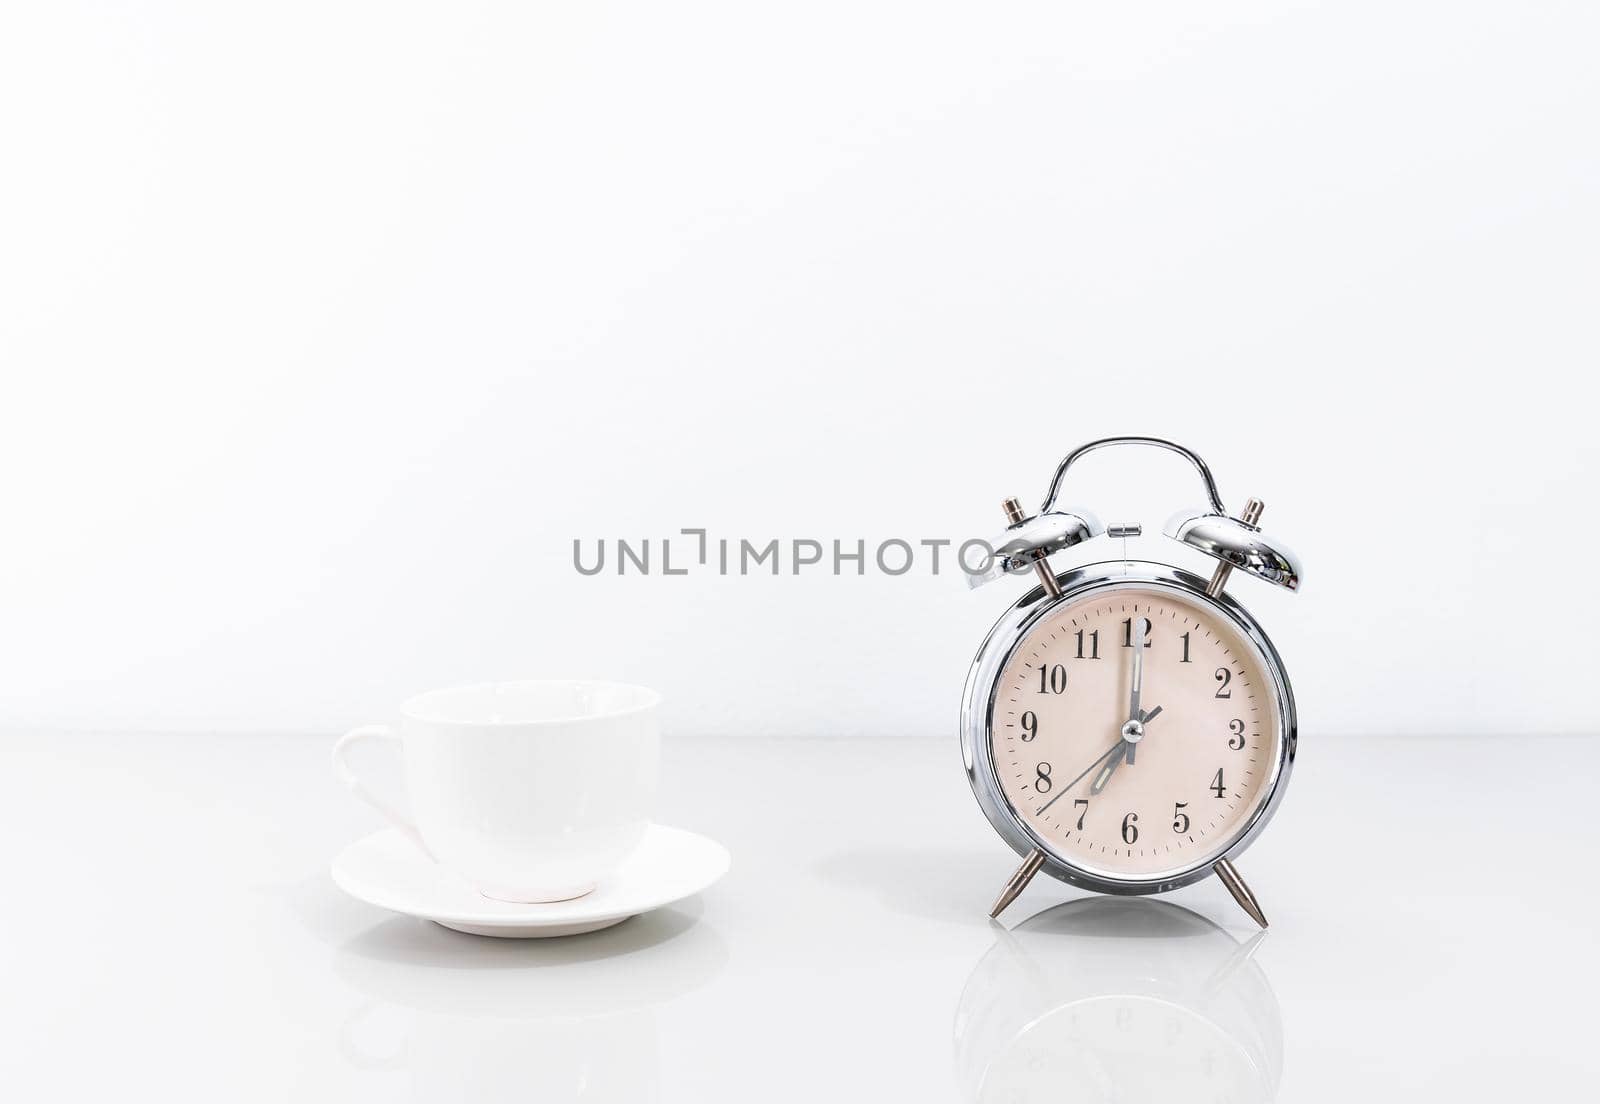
(1127, 727)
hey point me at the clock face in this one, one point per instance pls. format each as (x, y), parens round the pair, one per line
(1136, 731)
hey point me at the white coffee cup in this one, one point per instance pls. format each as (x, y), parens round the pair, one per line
(534, 791)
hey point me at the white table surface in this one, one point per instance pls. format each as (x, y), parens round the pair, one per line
(171, 932)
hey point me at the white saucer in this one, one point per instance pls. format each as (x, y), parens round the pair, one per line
(387, 870)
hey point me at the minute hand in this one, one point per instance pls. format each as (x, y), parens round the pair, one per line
(1138, 673)
(1136, 683)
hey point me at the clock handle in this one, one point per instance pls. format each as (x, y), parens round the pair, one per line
(1157, 442)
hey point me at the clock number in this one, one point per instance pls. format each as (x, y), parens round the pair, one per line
(1180, 819)
(1130, 828)
(1041, 780)
(1216, 783)
(1083, 809)
(1236, 741)
(1127, 631)
(1185, 658)
(1224, 676)
(1052, 680)
(1094, 645)
(1030, 726)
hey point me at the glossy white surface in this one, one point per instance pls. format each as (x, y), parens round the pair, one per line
(533, 790)
(387, 869)
(171, 931)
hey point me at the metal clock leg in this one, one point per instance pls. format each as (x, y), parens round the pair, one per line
(1019, 882)
(1241, 892)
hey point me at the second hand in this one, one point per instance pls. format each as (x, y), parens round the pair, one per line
(1068, 787)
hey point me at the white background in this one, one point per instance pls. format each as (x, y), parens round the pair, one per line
(326, 328)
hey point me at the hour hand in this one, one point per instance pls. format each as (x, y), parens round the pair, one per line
(1122, 750)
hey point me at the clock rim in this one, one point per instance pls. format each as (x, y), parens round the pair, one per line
(982, 686)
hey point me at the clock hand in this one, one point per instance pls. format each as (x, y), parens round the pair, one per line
(1106, 771)
(1136, 683)
(1138, 673)
(1117, 760)
(1068, 787)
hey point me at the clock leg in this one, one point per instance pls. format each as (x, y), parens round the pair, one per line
(1019, 882)
(1241, 892)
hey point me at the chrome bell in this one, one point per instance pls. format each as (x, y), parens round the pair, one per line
(1031, 539)
(1238, 542)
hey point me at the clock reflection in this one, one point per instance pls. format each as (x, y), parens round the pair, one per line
(1118, 999)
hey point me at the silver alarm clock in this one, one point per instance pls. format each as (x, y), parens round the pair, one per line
(1127, 726)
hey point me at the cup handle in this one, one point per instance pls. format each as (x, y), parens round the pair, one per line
(352, 782)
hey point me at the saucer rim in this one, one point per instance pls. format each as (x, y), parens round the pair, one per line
(507, 914)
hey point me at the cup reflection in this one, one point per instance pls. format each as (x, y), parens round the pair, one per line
(1118, 999)
(561, 1020)
(450, 1057)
